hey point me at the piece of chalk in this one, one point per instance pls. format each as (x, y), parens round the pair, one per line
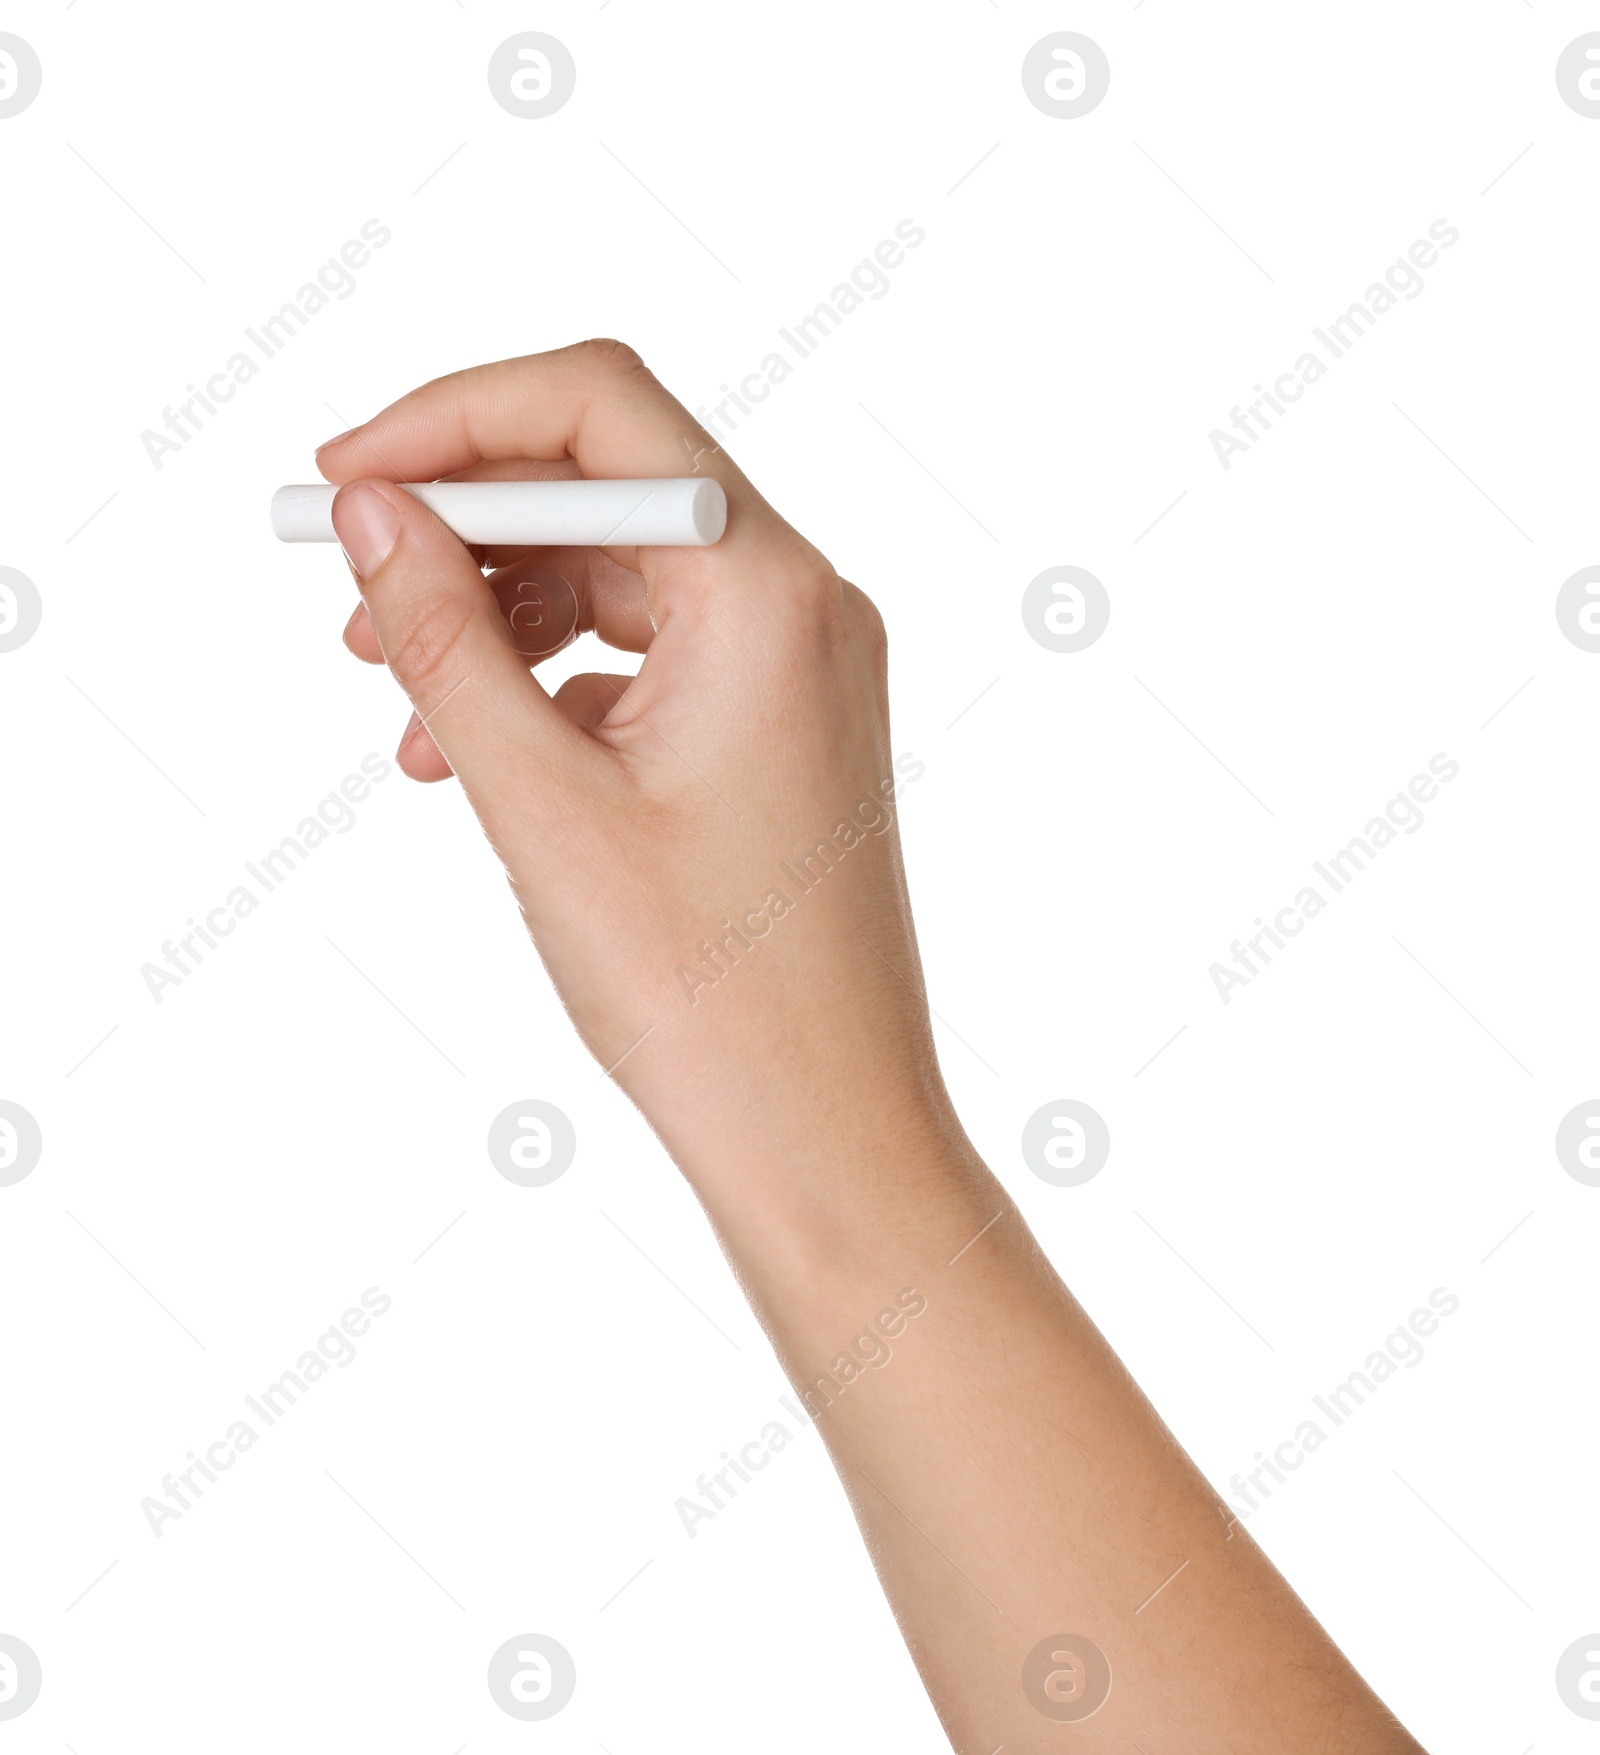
(678, 512)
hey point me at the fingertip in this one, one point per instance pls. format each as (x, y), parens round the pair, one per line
(589, 699)
(418, 757)
(360, 637)
(327, 454)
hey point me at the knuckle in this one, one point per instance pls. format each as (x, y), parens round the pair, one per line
(612, 355)
(424, 657)
(818, 596)
(808, 575)
(867, 619)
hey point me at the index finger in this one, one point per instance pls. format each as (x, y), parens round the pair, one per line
(596, 404)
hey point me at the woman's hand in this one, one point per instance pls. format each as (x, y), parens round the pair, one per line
(706, 854)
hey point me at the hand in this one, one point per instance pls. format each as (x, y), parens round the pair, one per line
(706, 854)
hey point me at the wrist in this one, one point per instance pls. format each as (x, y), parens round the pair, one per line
(859, 1185)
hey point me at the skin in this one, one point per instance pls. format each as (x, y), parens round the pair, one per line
(1012, 1483)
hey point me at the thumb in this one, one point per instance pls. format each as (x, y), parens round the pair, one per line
(442, 634)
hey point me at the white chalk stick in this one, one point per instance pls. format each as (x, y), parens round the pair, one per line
(682, 512)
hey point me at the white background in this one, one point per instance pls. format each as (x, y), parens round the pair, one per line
(1288, 645)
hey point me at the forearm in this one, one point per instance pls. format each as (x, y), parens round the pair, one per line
(1010, 1479)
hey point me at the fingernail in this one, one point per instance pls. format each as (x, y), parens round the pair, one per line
(336, 439)
(413, 726)
(368, 527)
